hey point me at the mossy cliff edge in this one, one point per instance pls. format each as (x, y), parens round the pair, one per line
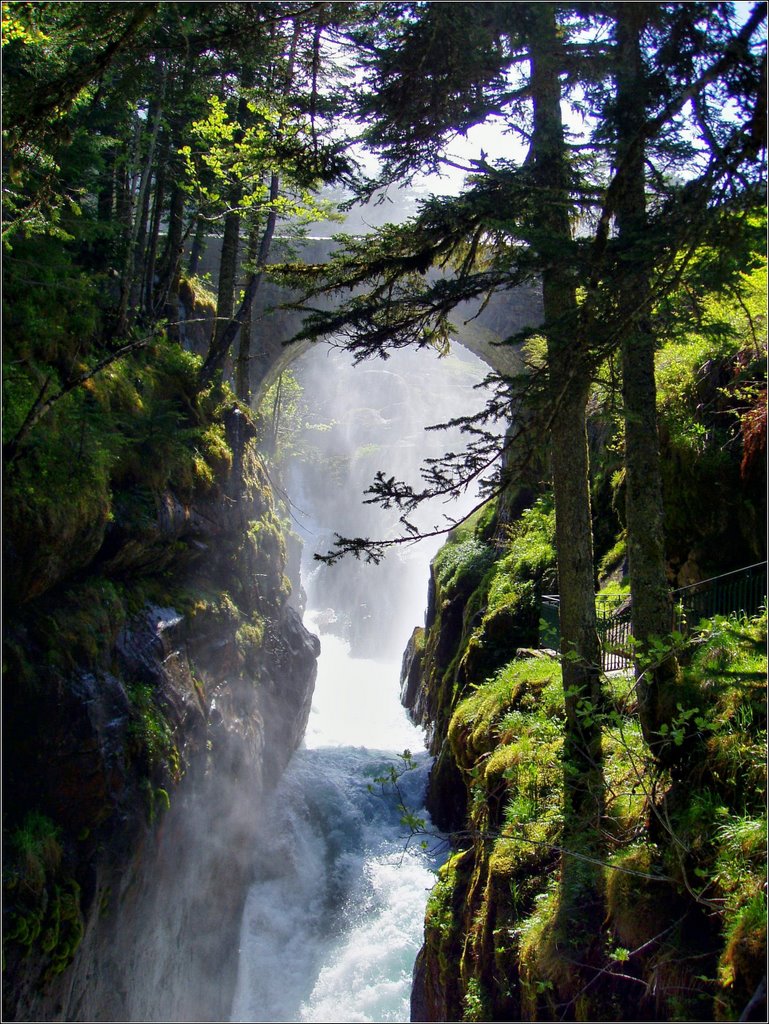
(157, 680)
(652, 910)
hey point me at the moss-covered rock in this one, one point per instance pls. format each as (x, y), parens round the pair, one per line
(150, 669)
(663, 916)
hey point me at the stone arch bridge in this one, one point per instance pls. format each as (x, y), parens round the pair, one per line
(480, 331)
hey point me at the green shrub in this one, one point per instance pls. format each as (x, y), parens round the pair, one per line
(41, 904)
(462, 563)
(153, 732)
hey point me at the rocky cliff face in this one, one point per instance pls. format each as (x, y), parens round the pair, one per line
(512, 928)
(159, 692)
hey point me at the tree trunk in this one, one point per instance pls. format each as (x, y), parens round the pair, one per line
(154, 233)
(569, 379)
(106, 196)
(221, 344)
(166, 294)
(198, 245)
(167, 300)
(651, 603)
(129, 291)
(228, 271)
(242, 366)
(569, 371)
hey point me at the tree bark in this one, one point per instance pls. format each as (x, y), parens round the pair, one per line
(154, 232)
(129, 291)
(651, 603)
(167, 300)
(198, 245)
(166, 293)
(221, 342)
(228, 272)
(569, 379)
(220, 346)
(581, 878)
(243, 363)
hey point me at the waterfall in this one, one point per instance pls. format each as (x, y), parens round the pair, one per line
(333, 919)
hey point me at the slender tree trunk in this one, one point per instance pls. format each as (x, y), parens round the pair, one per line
(125, 198)
(154, 233)
(166, 294)
(581, 880)
(140, 251)
(122, 202)
(128, 291)
(569, 381)
(106, 197)
(221, 345)
(242, 365)
(198, 245)
(221, 342)
(228, 271)
(167, 300)
(651, 603)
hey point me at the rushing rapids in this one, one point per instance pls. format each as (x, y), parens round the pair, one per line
(333, 920)
(334, 917)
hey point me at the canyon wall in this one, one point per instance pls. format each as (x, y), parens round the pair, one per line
(161, 686)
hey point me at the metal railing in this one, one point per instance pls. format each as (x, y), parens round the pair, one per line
(613, 622)
(741, 592)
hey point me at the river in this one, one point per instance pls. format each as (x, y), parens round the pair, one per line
(334, 918)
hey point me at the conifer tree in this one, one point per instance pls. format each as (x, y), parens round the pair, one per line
(436, 71)
(665, 56)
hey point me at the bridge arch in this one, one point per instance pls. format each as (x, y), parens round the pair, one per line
(481, 330)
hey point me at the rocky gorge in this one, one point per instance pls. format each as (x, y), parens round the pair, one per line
(136, 766)
(210, 813)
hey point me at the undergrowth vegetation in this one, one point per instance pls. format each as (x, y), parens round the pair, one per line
(41, 903)
(116, 470)
(684, 862)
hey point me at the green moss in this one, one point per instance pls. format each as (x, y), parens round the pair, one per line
(152, 732)
(475, 724)
(531, 544)
(614, 557)
(82, 628)
(636, 909)
(666, 839)
(485, 520)
(444, 917)
(440, 904)
(742, 963)
(200, 292)
(542, 968)
(510, 622)
(36, 851)
(251, 634)
(462, 563)
(41, 902)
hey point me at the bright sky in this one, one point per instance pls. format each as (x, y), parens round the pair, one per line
(491, 138)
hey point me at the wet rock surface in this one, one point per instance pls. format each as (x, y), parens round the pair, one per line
(152, 754)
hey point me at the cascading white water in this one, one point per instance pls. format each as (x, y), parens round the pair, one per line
(334, 918)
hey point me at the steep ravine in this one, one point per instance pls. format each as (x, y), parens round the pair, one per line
(140, 739)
